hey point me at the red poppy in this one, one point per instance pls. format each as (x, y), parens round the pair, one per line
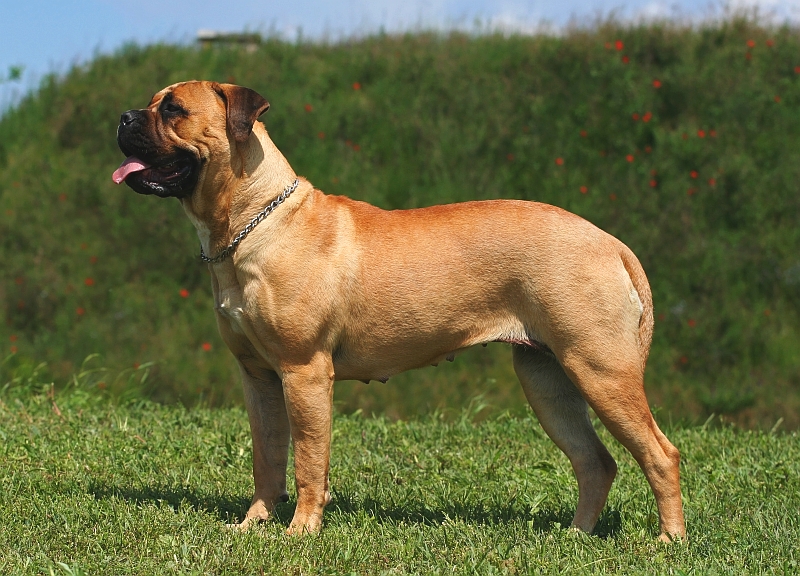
(356, 86)
(560, 161)
(13, 337)
(629, 157)
(62, 197)
(770, 43)
(625, 59)
(777, 98)
(321, 135)
(691, 191)
(89, 281)
(748, 56)
(653, 183)
(647, 117)
(13, 349)
(656, 83)
(584, 133)
(612, 196)
(308, 107)
(80, 311)
(619, 45)
(101, 385)
(712, 133)
(356, 147)
(648, 149)
(701, 133)
(684, 360)
(691, 323)
(635, 116)
(685, 136)
(797, 69)
(184, 293)
(84, 246)
(207, 346)
(767, 312)
(712, 182)
(693, 174)
(93, 259)
(751, 43)
(136, 365)
(19, 280)
(510, 157)
(608, 45)
(584, 189)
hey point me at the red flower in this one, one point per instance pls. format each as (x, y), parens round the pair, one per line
(13, 349)
(356, 86)
(685, 136)
(184, 293)
(648, 149)
(712, 182)
(797, 69)
(748, 56)
(701, 133)
(584, 133)
(770, 43)
(684, 360)
(629, 157)
(62, 197)
(625, 59)
(635, 116)
(656, 83)
(510, 157)
(84, 246)
(777, 98)
(101, 385)
(608, 45)
(653, 183)
(560, 161)
(691, 191)
(612, 197)
(693, 174)
(321, 135)
(89, 281)
(21, 304)
(751, 43)
(647, 117)
(691, 323)
(767, 312)
(619, 45)
(308, 107)
(356, 147)
(712, 133)
(93, 259)
(136, 365)
(13, 337)
(80, 311)
(19, 280)
(584, 189)
(207, 346)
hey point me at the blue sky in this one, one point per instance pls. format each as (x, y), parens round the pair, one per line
(46, 36)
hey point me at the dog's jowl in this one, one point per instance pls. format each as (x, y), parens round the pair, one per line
(311, 288)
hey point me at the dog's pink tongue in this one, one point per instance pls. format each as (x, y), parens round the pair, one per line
(128, 167)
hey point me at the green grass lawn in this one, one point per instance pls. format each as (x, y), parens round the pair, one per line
(100, 486)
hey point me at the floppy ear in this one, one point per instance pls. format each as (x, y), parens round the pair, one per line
(243, 107)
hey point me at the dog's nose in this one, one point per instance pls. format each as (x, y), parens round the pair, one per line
(127, 118)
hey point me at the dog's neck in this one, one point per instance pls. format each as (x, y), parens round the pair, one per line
(230, 196)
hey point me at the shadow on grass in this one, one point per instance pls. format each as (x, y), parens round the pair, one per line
(231, 509)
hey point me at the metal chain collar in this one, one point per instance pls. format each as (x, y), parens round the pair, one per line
(250, 226)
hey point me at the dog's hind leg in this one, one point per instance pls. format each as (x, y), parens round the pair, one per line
(269, 426)
(563, 414)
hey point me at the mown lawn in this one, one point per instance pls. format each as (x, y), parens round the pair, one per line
(95, 486)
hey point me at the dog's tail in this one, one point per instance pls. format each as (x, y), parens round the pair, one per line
(636, 273)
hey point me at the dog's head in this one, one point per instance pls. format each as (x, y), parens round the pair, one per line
(169, 143)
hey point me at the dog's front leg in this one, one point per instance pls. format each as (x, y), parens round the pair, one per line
(308, 390)
(269, 427)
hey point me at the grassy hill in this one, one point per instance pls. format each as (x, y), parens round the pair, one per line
(681, 142)
(95, 487)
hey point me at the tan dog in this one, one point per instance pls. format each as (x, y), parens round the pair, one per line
(327, 288)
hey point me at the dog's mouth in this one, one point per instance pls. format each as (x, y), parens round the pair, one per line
(174, 177)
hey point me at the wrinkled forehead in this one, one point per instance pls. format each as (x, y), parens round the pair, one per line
(186, 94)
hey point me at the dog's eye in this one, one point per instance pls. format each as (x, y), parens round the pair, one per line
(172, 108)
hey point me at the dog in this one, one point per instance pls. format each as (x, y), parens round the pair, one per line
(311, 288)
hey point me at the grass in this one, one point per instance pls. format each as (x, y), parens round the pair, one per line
(680, 141)
(90, 484)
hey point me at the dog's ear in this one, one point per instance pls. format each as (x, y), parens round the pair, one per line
(243, 107)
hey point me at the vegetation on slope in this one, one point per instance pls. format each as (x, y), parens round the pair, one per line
(681, 142)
